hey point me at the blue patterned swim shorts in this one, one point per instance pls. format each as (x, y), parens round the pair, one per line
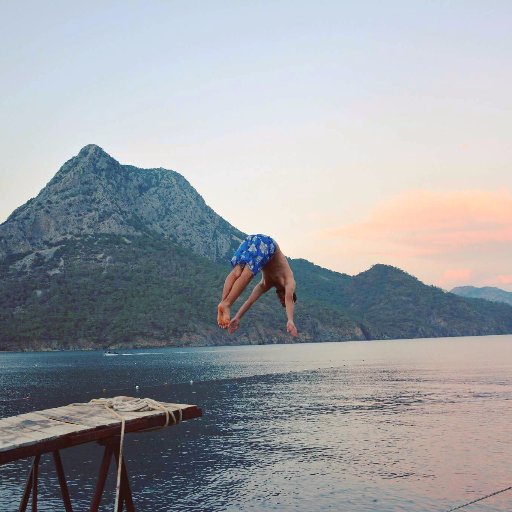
(255, 252)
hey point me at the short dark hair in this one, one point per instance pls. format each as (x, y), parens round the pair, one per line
(294, 295)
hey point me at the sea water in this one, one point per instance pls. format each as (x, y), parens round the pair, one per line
(406, 425)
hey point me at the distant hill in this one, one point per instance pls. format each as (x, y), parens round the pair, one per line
(113, 255)
(487, 292)
(393, 304)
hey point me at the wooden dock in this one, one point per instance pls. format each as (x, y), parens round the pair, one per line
(51, 430)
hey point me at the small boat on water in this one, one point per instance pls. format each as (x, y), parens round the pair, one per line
(109, 352)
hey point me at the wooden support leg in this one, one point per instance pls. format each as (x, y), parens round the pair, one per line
(31, 486)
(28, 488)
(62, 481)
(125, 492)
(35, 478)
(102, 477)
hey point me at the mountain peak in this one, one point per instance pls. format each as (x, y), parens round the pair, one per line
(384, 272)
(93, 155)
(91, 150)
(381, 268)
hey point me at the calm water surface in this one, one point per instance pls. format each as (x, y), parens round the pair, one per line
(411, 425)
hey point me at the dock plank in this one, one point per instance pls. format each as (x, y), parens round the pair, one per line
(43, 431)
(37, 422)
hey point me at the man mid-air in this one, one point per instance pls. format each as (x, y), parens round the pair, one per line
(257, 252)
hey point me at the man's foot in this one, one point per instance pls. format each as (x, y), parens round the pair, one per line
(223, 315)
(233, 325)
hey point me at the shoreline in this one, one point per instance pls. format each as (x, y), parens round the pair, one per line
(182, 346)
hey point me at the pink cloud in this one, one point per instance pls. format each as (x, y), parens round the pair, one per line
(500, 280)
(455, 276)
(423, 223)
(449, 238)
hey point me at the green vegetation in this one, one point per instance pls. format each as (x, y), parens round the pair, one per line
(110, 290)
(104, 264)
(394, 304)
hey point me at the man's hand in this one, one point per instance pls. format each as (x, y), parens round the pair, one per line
(290, 327)
(233, 325)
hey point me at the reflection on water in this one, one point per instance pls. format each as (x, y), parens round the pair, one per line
(362, 426)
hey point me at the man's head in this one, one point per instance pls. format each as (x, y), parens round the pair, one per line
(280, 296)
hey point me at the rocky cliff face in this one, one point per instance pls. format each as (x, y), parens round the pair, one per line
(94, 194)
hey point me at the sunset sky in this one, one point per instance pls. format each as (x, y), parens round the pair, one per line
(353, 132)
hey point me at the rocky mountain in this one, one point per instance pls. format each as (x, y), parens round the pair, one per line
(94, 194)
(112, 255)
(486, 292)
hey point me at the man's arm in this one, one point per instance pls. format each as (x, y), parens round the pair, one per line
(290, 308)
(256, 293)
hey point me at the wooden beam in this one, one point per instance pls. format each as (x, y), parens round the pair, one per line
(62, 481)
(126, 492)
(102, 477)
(35, 482)
(93, 434)
(28, 489)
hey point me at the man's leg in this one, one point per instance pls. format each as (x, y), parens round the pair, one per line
(228, 285)
(223, 309)
(230, 280)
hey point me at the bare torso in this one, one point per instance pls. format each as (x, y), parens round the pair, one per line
(277, 272)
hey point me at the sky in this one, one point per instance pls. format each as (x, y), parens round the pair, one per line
(353, 132)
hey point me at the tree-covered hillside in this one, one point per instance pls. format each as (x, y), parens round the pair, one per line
(109, 290)
(393, 304)
(109, 254)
